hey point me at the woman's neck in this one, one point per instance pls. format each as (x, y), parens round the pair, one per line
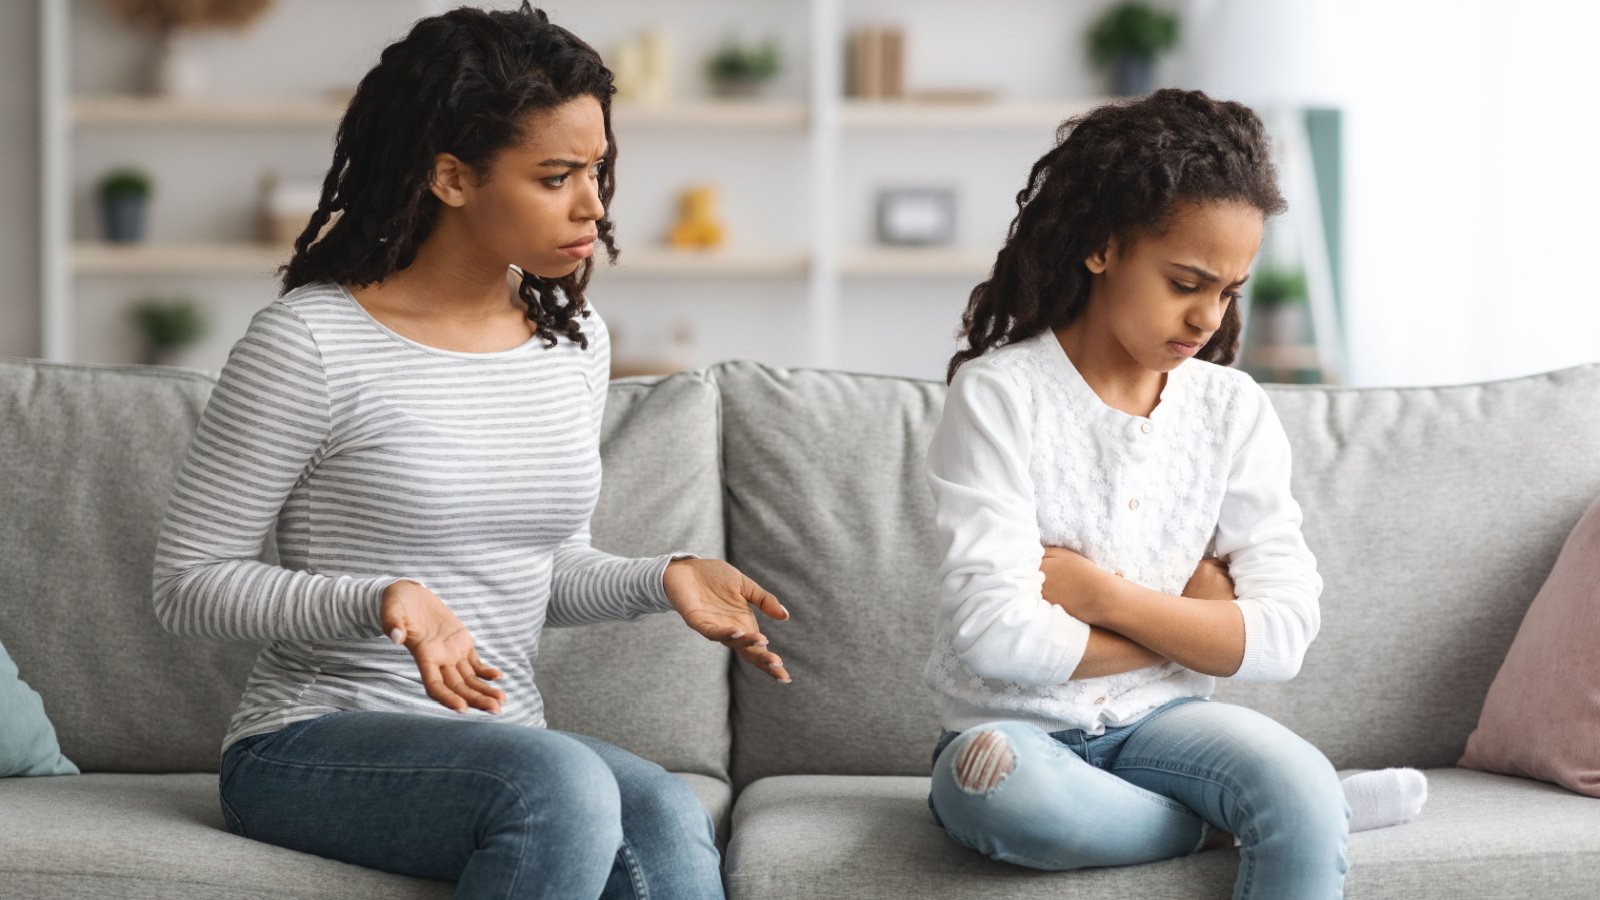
(1110, 371)
(447, 280)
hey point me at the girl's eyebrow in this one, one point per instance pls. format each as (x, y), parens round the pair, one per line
(1203, 275)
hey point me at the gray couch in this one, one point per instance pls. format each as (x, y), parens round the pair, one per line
(1435, 514)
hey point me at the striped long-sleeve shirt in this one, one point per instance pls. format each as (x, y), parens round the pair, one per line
(377, 458)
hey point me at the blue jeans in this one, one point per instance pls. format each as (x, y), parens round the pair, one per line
(502, 810)
(1154, 790)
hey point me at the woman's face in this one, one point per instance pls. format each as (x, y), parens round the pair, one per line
(1164, 295)
(538, 207)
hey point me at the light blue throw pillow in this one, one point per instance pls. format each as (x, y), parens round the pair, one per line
(27, 739)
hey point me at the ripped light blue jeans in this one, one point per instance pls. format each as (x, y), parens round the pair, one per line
(1155, 790)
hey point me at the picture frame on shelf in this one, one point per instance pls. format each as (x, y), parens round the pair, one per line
(916, 216)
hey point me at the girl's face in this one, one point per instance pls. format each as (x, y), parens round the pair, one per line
(538, 208)
(1163, 295)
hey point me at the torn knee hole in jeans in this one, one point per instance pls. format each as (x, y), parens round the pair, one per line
(984, 763)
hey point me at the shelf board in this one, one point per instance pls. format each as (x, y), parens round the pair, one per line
(242, 258)
(247, 258)
(939, 262)
(657, 261)
(139, 111)
(880, 115)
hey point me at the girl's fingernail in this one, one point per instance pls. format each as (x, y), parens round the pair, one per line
(776, 665)
(785, 681)
(736, 635)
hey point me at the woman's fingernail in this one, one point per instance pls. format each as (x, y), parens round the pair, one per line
(398, 635)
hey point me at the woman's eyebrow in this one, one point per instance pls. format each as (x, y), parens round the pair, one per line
(561, 164)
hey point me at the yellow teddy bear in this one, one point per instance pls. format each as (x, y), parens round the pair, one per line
(697, 226)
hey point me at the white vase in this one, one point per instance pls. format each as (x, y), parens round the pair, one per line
(179, 72)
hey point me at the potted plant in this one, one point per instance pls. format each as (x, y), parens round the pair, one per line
(168, 325)
(741, 70)
(1127, 39)
(178, 72)
(1278, 306)
(124, 199)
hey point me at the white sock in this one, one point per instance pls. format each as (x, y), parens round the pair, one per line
(1384, 797)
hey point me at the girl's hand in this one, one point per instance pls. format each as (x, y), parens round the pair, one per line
(1210, 581)
(416, 618)
(715, 599)
(1074, 583)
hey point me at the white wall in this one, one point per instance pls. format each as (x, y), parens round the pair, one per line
(19, 179)
(1472, 197)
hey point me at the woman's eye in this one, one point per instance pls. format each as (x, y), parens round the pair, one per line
(554, 181)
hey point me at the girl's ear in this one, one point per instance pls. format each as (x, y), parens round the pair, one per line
(449, 181)
(1097, 261)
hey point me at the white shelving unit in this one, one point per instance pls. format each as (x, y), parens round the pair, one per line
(831, 262)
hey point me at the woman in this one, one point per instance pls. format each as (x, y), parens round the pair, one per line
(418, 416)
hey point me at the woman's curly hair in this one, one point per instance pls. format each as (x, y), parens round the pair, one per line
(463, 83)
(1117, 171)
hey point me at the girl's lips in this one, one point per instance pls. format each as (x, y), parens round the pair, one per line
(1183, 349)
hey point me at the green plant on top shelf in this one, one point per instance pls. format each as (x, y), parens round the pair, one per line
(1274, 287)
(740, 68)
(1127, 39)
(119, 183)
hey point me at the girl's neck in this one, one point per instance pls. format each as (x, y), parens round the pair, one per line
(1110, 371)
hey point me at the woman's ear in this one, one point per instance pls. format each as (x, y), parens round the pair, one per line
(449, 181)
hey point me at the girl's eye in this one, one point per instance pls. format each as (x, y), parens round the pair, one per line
(1233, 296)
(1182, 288)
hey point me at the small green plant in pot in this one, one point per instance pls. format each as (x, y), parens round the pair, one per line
(741, 70)
(1278, 306)
(1126, 42)
(124, 200)
(168, 325)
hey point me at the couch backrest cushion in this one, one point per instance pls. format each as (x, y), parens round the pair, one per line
(1435, 515)
(652, 686)
(87, 457)
(828, 509)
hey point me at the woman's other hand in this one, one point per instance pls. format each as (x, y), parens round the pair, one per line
(452, 674)
(715, 599)
(1210, 581)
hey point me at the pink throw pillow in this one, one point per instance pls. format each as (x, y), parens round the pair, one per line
(1541, 718)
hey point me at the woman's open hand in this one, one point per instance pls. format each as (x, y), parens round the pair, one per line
(452, 674)
(715, 599)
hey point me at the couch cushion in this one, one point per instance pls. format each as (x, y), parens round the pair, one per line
(652, 686)
(87, 457)
(844, 837)
(1435, 515)
(162, 836)
(829, 510)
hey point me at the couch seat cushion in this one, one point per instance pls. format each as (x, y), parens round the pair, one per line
(846, 837)
(162, 836)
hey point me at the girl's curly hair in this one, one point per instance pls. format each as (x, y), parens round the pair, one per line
(1117, 171)
(463, 83)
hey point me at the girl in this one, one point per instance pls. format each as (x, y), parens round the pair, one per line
(418, 416)
(1093, 449)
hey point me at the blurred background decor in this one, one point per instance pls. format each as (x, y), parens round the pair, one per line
(167, 325)
(1126, 41)
(743, 69)
(1277, 306)
(698, 226)
(177, 71)
(916, 216)
(642, 67)
(125, 204)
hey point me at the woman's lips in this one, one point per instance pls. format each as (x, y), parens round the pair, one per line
(580, 249)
